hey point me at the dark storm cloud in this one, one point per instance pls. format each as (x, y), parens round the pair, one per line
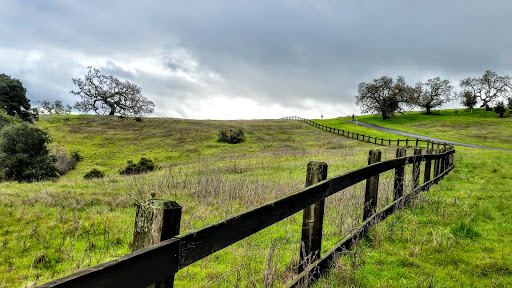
(289, 53)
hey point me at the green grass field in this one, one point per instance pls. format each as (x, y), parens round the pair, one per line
(459, 234)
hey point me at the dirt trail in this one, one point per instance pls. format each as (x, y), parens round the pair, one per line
(384, 129)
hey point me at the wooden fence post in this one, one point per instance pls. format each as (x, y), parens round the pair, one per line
(407, 142)
(381, 141)
(397, 142)
(372, 186)
(312, 219)
(398, 187)
(156, 220)
(442, 161)
(416, 166)
(436, 163)
(428, 167)
(417, 142)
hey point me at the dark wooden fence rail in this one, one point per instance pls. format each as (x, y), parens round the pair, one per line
(159, 262)
(375, 140)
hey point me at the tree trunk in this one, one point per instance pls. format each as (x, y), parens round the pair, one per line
(428, 110)
(487, 108)
(112, 110)
(385, 116)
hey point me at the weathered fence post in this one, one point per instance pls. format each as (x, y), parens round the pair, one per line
(436, 163)
(407, 142)
(156, 220)
(397, 142)
(442, 161)
(428, 167)
(416, 166)
(372, 186)
(398, 186)
(381, 141)
(312, 219)
(417, 142)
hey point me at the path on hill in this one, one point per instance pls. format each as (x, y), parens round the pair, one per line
(384, 129)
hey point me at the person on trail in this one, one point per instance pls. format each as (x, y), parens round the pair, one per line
(353, 117)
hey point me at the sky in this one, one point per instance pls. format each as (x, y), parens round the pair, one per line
(251, 59)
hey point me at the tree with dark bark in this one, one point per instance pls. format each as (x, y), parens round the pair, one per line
(487, 88)
(13, 99)
(468, 99)
(383, 96)
(432, 94)
(106, 94)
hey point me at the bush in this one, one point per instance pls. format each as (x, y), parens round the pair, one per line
(231, 136)
(138, 119)
(500, 108)
(145, 165)
(94, 173)
(66, 163)
(24, 154)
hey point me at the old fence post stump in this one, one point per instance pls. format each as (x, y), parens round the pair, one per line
(398, 185)
(372, 186)
(312, 219)
(436, 163)
(156, 220)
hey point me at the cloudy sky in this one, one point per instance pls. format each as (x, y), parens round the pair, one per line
(250, 59)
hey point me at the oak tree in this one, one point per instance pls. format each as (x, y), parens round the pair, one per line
(13, 99)
(487, 88)
(384, 96)
(434, 93)
(105, 94)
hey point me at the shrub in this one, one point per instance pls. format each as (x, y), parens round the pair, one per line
(138, 119)
(500, 108)
(66, 163)
(231, 136)
(145, 165)
(94, 173)
(24, 154)
(76, 156)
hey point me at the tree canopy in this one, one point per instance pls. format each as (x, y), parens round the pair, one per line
(106, 94)
(13, 100)
(488, 88)
(24, 154)
(434, 93)
(384, 96)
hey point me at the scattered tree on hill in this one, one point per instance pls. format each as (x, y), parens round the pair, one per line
(13, 100)
(509, 99)
(105, 94)
(487, 88)
(432, 94)
(24, 154)
(500, 108)
(56, 107)
(468, 99)
(383, 96)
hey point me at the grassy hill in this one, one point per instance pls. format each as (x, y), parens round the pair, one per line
(458, 234)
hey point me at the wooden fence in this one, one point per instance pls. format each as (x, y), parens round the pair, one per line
(375, 140)
(159, 262)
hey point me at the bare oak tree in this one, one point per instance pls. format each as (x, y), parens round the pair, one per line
(105, 94)
(432, 94)
(383, 96)
(488, 88)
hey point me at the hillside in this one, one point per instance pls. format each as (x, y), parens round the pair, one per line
(458, 234)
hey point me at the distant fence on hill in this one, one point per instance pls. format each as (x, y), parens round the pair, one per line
(375, 140)
(159, 262)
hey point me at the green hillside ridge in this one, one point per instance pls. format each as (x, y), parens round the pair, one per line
(459, 234)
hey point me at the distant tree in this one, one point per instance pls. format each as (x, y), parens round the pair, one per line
(13, 100)
(383, 96)
(105, 94)
(56, 107)
(509, 100)
(468, 99)
(24, 154)
(500, 108)
(432, 94)
(487, 88)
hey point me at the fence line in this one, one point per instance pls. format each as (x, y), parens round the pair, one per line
(367, 138)
(161, 261)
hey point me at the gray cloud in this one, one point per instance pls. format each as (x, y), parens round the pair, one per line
(304, 57)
